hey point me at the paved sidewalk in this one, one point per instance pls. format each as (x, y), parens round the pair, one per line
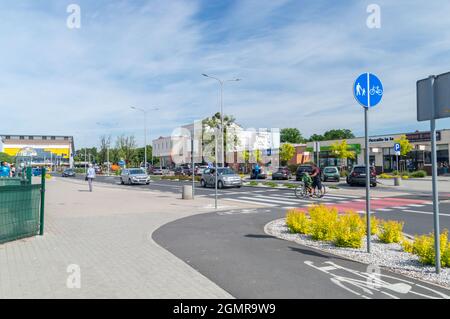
(107, 235)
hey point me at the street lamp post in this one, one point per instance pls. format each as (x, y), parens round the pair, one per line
(145, 131)
(221, 83)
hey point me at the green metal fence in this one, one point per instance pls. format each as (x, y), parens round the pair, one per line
(7, 181)
(21, 209)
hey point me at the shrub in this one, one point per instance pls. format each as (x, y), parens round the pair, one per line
(323, 222)
(419, 174)
(297, 221)
(349, 231)
(253, 183)
(405, 177)
(423, 247)
(407, 246)
(374, 225)
(385, 176)
(343, 173)
(391, 232)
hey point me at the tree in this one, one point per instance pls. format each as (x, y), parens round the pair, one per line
(341, 151)
(213, 122)
(405, 147)
(287, 151)
(291, 135)
(6, 158)
(126, 148)
(316, 137)
(338, 134)
(105, 144)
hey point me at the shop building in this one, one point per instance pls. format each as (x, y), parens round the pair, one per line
(382, 154)
(39, 150)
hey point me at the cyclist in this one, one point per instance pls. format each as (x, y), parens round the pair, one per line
(315, 174)
(307, 180)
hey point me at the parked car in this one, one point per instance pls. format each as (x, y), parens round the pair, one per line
(69, 172)
(226, 177)
(282, 173)
(160, 170)
(134, 176)
(358, 176)
(301, 169)
(331, 173)
(200, 169)
(183, 170)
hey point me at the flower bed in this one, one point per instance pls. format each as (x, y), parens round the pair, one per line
(345, 235)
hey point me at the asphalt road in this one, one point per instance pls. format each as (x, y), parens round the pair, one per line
(231, 249)
(414, 210)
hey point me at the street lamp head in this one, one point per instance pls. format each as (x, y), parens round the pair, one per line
(206, 75)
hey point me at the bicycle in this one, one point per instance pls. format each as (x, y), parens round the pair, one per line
(302, 192)
(376, 90)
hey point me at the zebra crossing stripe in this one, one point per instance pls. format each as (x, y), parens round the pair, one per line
(384, 209)
(259, 199)
(289, 200)
(250, 202)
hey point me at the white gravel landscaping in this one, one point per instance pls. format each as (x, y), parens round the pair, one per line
(389, 256)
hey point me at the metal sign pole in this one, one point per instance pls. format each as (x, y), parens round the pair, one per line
(215, 183)
(366, 115)
(193, 168)
(437, 231)
(367, 160)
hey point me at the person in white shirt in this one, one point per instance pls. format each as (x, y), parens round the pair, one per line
(90, 175)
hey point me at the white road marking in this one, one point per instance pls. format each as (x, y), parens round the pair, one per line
(250, 202)
(259, 199)
(426, 213)
(384, 209)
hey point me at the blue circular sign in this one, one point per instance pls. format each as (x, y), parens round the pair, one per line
(368, 90)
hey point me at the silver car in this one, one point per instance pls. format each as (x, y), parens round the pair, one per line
(226, 177)
(134, 176)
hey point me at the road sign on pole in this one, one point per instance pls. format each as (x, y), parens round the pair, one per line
(433, 102)
(368, 91)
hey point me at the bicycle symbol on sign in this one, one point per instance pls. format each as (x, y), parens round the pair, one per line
(376, 90)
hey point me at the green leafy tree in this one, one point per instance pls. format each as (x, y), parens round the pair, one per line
(341, 151)
(287, 151)
(338, 134)
(6, 158)
(291, 135)
(213, 122)
(405, 145)
(316, 138)
(405, 148)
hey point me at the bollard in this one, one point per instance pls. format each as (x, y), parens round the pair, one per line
(187, 192)
(397, 180)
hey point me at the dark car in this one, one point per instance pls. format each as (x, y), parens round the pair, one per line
(301, 169)
(183, 170)
(358, 176)
(282, 173)
(68, 173)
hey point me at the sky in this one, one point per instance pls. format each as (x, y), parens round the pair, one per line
(297, 60)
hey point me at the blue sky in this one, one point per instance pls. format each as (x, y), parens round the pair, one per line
(297, 60)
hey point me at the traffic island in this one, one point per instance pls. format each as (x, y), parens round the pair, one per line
(394, 256)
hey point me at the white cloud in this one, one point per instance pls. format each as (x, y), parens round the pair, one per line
(297, 61)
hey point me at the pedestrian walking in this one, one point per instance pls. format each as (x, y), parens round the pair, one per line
(90, 176)
(5, 171)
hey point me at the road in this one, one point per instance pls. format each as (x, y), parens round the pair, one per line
(231, 249)
(414, 209)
